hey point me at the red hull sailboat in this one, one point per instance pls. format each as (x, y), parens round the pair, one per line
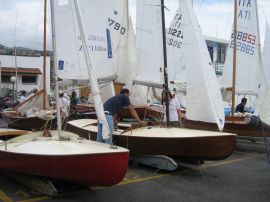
(74, 159)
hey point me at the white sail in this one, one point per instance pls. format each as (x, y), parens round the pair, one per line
(247, 68)
(187, 48)
(149, 43)
(118, 26)
(86, 36)
(71, 58)
(266, 53)
(175, 51)
(124, 50)
(204, 101)
(263, 103)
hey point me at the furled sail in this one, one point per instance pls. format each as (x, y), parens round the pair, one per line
(247, 68)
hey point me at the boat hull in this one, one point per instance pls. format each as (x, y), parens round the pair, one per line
(97, 169)
(28, 123)
(216, 147)
(237, 126)
(72, 158)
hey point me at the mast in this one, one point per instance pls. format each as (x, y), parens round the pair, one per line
(234, 55)
(44, 55)
(0, 79)
(259, 43)
(166, 86)
(16, 71)
(55, 71)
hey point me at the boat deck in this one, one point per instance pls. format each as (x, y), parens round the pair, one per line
(242, 177)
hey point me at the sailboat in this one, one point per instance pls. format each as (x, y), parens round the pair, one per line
(64, 155)
(248, 76)
(156, 140)
(243, 71)
(31, 113)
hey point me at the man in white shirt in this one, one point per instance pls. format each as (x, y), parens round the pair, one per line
(64, 106)
(174, 108)
(22, 97)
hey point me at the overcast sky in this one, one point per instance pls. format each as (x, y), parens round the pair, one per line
(21, 21)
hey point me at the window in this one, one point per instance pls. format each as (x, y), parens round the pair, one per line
(29, 79)
(221, 53)
(211, 49)
(6, 79)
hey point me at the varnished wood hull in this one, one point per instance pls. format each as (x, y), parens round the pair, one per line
(216, 147)
(32, 123)
(235, 125)
(238, 127)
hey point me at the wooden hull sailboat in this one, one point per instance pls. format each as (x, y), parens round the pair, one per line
(74, 159)
(29, 123)
(236, 125)
(157, 140)
(243, 72)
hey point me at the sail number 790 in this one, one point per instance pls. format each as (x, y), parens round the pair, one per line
(117, 26)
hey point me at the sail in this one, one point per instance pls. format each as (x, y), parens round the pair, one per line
(262, 108)
(184, 39)
(247, 68)
(175, 52)
(87, 50)
(266, 53)
(204, 101)
(149, 43)
(118, 26)
(71, 60)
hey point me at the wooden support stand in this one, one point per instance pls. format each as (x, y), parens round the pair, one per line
(42, 185)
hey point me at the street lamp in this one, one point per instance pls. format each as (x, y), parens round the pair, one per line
(13, 80)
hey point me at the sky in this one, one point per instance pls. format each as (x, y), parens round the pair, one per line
(21, 21)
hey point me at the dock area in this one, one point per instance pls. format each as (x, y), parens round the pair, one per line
(242, 177)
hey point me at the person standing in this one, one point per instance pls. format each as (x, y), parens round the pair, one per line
(64, 106)
(174, 108)
(23, 96)
(111, 107)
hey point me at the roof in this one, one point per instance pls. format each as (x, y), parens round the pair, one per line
(20, 70)
(216, 40)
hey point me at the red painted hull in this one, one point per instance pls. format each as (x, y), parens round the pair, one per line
(95, 169)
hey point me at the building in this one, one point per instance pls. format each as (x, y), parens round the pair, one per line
(217, 49)
(29, 71)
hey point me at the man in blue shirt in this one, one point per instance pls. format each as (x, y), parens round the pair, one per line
(111, 107)
(241, 107)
